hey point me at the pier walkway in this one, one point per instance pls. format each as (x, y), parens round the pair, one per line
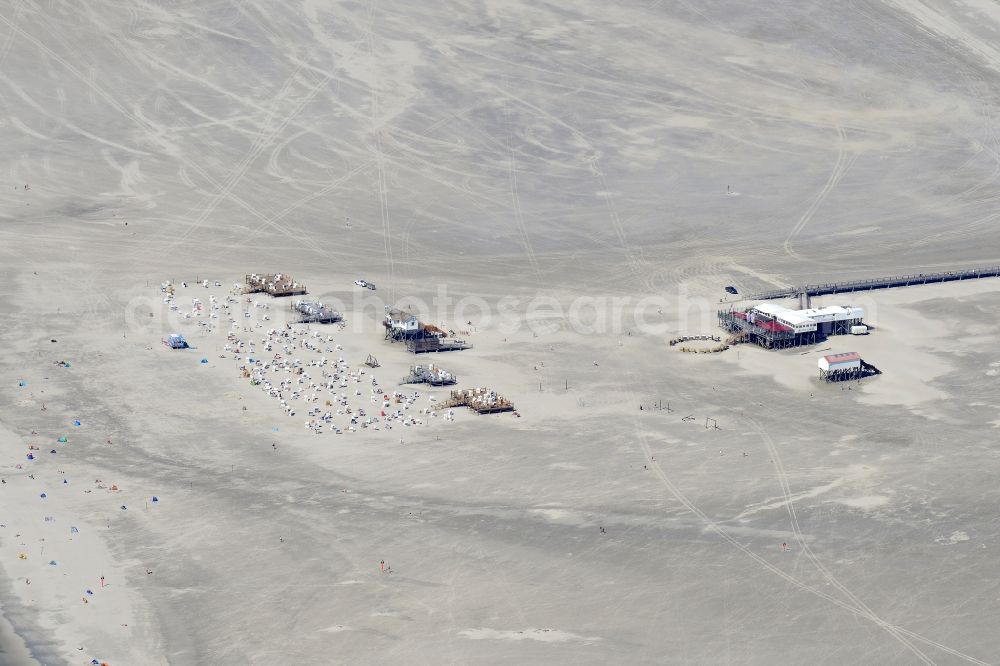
(876, 283)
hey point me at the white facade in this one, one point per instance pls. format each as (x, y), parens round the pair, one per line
(793, 319)
(834, 362)
(833, 313)
(402, 321)
(805, 321)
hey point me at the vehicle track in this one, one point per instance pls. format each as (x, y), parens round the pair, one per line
(18, 6)
(151, 130)
(713, 526)
(836, 174)
(804, 545)
(512, 180)
(264, 139)
(382, 185)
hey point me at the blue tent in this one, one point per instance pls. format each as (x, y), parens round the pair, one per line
(176, 341)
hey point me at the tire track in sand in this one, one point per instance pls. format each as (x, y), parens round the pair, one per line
(789, 502)
(10, 35)
(713, 526)
(839, 169)
(263, 140)
(152, 131)
(512, 179)
(383, 194)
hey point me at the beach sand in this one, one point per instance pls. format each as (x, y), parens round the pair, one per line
(520, 169)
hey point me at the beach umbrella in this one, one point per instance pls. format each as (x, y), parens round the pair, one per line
(62, 440)
(22, 383)
(155, 499)
(31, 456)
(76, 423)
(43, 495)
(52, 562)
(204, 360)
(73, 530)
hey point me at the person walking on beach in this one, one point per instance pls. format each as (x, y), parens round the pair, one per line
(381, 566)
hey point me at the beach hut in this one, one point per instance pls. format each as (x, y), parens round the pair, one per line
(847, 361)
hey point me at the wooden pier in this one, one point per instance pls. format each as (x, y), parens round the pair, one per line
(876, 283)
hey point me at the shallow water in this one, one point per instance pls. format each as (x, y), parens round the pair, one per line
(13, 650)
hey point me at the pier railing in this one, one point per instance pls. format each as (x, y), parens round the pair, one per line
(876, 283)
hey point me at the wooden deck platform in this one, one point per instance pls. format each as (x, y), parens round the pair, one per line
(433, 344)
(480, 400)
(274, 284)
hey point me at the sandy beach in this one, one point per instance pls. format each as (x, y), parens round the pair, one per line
(563, 189)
